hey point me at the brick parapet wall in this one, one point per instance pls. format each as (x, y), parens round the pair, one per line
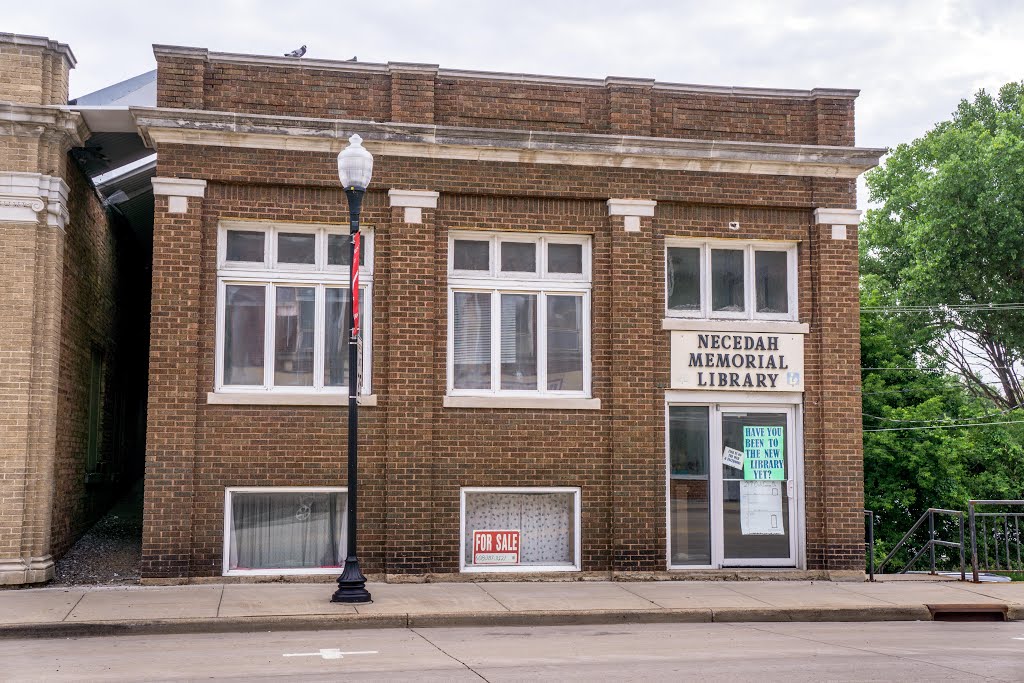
(34, 70)
(422, 95)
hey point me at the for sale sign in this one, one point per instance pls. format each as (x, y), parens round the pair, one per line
(496, 547)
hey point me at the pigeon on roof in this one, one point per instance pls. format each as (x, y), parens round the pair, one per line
(296, 53)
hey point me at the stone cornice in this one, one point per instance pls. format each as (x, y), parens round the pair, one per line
(33, 120)
(25, 196)
(224, 129)
(205, 55)
(42, 43)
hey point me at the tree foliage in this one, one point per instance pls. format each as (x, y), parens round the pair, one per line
(915, 454)
(949, 236)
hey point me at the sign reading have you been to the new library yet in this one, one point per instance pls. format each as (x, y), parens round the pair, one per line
(737, 361)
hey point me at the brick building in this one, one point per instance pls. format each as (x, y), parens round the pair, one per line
(618, 319)
(73, 312)
(610, 327)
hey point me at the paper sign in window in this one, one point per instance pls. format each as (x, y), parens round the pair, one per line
(761, 508)
(733, 458)
(764, 451)
(496, 547)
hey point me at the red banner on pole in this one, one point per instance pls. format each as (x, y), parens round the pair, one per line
(354, 291)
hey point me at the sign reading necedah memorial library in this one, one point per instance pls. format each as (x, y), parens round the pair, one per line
(737, 361)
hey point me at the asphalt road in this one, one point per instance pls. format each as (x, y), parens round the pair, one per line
(893, 651)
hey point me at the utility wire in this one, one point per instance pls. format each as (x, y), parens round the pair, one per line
(949, 426)
(946, 420)
(944, 308)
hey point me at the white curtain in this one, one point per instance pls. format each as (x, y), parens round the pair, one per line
(287, 530)
(546, 523)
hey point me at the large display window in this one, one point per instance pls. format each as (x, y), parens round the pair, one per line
(520, 529)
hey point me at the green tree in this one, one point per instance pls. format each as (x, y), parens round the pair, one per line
(948, 237)
(916, 455)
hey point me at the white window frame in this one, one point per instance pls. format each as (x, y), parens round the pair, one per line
(749, 247)
(494, 282)
(226, 548)
(492, 569)
(271, 275)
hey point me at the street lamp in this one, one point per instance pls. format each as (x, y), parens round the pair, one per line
(355, 166)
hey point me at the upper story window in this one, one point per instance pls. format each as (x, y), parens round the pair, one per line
(519, 314)
(730, 279)
(283, 306)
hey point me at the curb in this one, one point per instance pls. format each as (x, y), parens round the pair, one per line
(329, 622)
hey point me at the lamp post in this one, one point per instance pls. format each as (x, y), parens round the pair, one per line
(355, 166)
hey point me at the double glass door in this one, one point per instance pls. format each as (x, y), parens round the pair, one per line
(731, 486)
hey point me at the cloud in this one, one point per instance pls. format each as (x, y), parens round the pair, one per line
(913, 60)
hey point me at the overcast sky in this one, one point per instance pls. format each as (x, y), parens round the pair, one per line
(911, 59)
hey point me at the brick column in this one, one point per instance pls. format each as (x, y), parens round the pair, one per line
(173, 388)
(637, 461)
(412, 92)
(835, 494)
(834, 120)
(629, 105)
(180, 76)
(33, 215)
(410, 393)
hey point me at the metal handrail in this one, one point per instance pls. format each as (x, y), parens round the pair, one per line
(971, 514)
(870, 514)
(929, 514)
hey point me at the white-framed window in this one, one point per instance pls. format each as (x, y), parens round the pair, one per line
(283, 306)
(520, 529)
(731, 279)
(284, 530)
(518, 314)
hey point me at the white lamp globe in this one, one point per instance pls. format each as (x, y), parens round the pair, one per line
(355, 164)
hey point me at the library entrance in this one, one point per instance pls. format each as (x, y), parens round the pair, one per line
(734, 485)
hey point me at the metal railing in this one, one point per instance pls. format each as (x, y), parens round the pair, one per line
(930, 546)
(870, 542)
(1000, 532)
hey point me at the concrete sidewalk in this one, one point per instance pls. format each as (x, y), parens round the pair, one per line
(237, 607)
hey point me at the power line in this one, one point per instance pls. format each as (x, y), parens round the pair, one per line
(945, 308)
(918, 369)
(906, 390)
(948, 420)
(951, 426)
(989, 367)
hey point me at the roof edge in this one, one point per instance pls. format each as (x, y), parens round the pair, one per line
(372, 67)
(41, 42)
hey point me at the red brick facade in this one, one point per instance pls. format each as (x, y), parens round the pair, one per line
(415, 453)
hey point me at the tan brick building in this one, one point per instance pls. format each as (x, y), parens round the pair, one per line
(69, 429)
(610, 327)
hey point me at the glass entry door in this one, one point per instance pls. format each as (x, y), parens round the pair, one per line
(731, 486)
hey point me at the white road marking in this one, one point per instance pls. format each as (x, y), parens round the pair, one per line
(329, 653)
